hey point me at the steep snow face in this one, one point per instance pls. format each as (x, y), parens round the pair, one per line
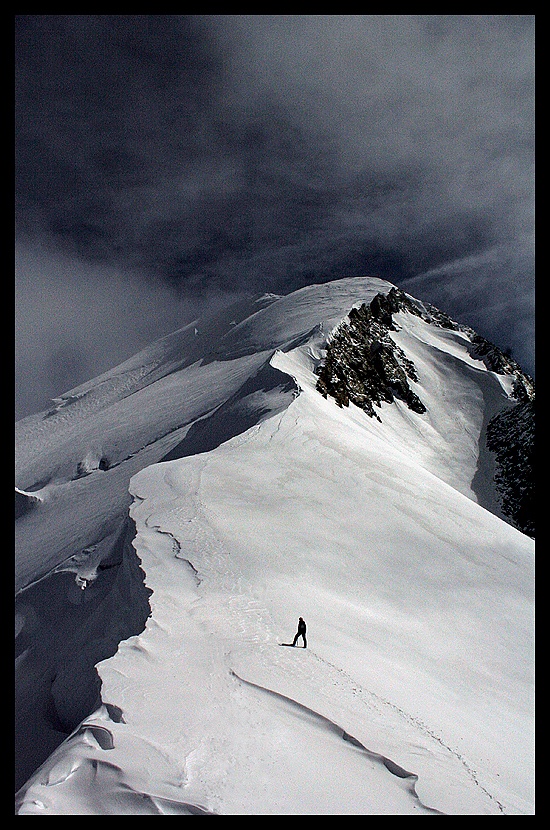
(414, 695)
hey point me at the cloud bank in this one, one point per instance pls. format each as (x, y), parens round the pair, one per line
(204, 154)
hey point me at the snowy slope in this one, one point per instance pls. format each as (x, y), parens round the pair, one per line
(415, 693)
(183, 394)
(78, 457)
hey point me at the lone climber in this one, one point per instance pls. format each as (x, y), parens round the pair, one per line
(301, 632)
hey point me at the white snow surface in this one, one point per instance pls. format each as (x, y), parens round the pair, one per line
(415, 694)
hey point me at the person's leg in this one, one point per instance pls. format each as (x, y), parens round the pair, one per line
(294, 640)
(305, 641)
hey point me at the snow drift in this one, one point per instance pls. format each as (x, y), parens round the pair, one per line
(272, 501)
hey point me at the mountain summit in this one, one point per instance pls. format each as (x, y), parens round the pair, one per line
(365, 366)
(345, 453)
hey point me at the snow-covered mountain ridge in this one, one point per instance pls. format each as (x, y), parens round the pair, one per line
(277, 502)
(365, 345)
(181, 395)
(364, 365)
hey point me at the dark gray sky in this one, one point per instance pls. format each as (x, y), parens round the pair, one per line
(165, 163)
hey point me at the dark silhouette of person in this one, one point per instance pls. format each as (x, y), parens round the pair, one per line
(301, 632)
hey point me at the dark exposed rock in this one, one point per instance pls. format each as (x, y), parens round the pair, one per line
(503, 364)
(511, 436)
(363, 365)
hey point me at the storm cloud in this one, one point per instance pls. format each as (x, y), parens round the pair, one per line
(198, 155)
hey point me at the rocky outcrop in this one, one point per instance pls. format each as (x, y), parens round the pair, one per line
(503, 364)
(511, 436)
(363, 365)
